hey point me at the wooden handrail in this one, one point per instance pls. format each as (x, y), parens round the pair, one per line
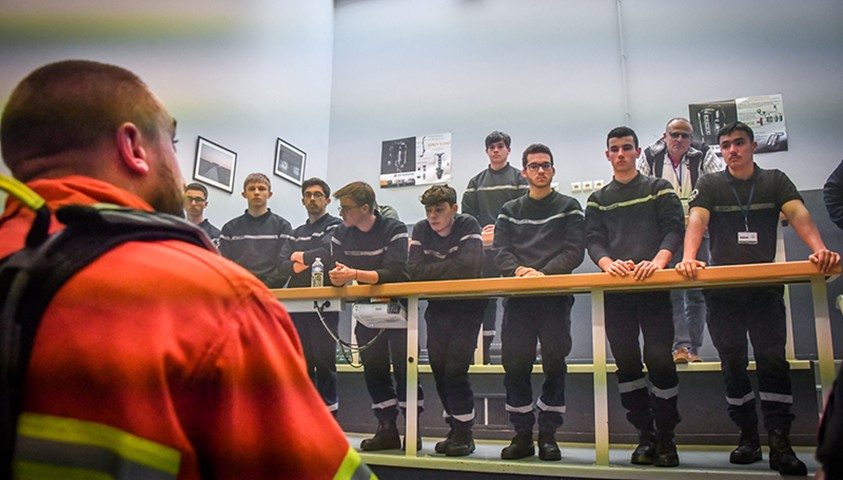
(755, 274)
(597, 284)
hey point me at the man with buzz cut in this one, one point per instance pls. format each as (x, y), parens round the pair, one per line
(308, 242)
(159, 359)
(740, 206)
(674, 158)
(538, 234)
(483, 198)
(195, 203)
(254, 240)
(633, 225)
(448, 246)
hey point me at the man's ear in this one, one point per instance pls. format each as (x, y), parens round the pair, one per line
(129, 140)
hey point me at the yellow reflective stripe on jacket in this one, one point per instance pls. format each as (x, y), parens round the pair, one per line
(66, 447)
(28, 470)
(353, 468)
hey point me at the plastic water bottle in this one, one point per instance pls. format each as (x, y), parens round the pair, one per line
(317, 273)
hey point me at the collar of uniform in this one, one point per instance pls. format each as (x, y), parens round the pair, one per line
(501, 171)
(261, 217)
(732, 179)
(618, 185)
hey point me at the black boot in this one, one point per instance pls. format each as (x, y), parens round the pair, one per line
(748, 449)
(643, 453)
(521, 447)
(548, 449)
(782, 456)
(442, 445)
(386, 438)
(665, 452)
(462, 443)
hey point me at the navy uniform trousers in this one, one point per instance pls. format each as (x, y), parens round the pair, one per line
(452, 329)
(760, 312)
(389, 349)
(320, 352)
(526, 320)
(651, 314)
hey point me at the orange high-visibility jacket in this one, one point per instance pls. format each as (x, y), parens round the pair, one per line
(164, 360)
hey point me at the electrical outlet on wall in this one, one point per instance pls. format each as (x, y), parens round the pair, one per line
(576, 187)
(587, 186)
(598, 184)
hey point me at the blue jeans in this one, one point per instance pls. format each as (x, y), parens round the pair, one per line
(689, 308)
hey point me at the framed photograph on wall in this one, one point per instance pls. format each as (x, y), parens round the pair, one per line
(289, 162)
(215, 165)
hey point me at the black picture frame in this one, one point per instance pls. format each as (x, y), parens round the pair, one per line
(215, 165)
(290, 162)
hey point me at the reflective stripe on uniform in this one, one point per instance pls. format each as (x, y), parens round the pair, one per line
(633, 201)
(353, 468)
(56, 447)
(775, 397)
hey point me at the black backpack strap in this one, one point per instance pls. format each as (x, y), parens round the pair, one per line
(31, 277)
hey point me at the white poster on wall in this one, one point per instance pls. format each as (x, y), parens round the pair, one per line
(764, 114)
(424, 160)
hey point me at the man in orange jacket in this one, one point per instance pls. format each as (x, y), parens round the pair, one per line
(159, 359)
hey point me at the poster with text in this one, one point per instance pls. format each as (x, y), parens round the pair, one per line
(424, 160)
(764, 114)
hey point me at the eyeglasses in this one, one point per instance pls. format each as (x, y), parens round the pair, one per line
(684, 135)
(314, 195)
(535, 167)
(194, 200)
(345, 209)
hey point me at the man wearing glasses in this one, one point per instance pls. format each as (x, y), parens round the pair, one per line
(673, 158)
(307, 243)
(371, 249)
(195, 202)
(538, 234)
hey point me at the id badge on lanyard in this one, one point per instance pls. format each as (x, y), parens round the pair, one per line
(746, 237)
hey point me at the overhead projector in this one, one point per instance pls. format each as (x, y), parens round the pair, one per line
(380, 315)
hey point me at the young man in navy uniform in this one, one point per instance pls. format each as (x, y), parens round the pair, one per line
(740, 207)
(447, 246)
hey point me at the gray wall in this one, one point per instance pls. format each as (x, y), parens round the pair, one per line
(337, 78)
(550, 71)
(238, 73)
